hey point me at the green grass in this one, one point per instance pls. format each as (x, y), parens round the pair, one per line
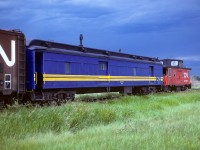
(157, 121)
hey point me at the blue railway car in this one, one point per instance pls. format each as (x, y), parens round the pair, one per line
(59, 70)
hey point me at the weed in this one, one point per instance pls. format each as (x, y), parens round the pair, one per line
(156, 121)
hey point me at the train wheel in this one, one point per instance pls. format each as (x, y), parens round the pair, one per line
(183, 88)
(178, 89)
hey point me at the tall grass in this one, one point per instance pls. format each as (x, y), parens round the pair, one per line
(162, 121)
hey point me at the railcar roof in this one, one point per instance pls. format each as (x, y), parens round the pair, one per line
(167, 64)
(12, 32)
(37, 44)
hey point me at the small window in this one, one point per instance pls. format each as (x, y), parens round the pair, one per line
(170, 72)
(151, 73)
(174, 74)
(67, 68)
(103, 65)
(7, 80)
(180, 64)
(174, 63)
(134, 71)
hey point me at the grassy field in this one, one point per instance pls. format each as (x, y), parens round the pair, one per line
(157, 121)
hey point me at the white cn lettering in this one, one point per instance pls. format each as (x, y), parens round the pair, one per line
(8, 62)
(186, 75)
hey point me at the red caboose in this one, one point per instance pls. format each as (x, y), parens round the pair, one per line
(175, 76)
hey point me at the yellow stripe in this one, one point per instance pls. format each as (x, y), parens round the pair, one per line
(80, 79)
(57, 77)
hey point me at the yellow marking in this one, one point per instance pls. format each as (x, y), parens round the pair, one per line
(35, 77)
(57, 77)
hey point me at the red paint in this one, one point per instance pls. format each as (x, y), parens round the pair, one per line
(176, 77)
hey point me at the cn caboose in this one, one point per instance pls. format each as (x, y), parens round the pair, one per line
(175, 76)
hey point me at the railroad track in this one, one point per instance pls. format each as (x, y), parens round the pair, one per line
(84, 98)
(56, 102)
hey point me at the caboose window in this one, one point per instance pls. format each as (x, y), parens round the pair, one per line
(174, 74)
(180, 64)
(174, 63)
(103, 65)
(7, 80)
(170, 72)
(67, 68)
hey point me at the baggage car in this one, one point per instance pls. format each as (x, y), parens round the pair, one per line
(62, 70)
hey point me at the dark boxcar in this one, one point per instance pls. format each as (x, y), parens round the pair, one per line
(67, 67)
(176, 77)
(12, 63)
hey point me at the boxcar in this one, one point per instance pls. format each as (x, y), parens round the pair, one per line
(12, 64)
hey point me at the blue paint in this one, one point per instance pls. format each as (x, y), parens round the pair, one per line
(83, 65)
(30, 69)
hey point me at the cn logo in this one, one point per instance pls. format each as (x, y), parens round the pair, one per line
(186, 75)
(8, 62)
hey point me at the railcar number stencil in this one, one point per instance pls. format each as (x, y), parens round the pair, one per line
(8, 62)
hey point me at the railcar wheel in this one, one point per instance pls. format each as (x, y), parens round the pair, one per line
(178, 89)
(182, 88)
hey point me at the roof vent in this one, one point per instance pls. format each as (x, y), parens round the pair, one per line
(81, 40)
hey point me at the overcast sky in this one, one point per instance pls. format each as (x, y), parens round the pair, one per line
(157, 28)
